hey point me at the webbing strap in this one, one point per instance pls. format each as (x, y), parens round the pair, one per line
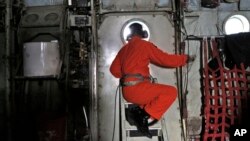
(131, 83)
(134, 82)
(136, 75)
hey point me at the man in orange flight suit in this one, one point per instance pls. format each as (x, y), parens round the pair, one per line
(131, 66)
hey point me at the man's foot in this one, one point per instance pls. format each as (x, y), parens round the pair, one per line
(138, 117)
(130, 116)
(142, 126)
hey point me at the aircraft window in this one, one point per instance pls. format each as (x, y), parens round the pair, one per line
(236, 24)
(126, 30)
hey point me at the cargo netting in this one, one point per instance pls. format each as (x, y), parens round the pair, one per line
(224, 94)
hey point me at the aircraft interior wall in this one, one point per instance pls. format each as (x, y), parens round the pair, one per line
(73, 96)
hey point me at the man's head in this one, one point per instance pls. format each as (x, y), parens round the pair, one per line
(136, 30)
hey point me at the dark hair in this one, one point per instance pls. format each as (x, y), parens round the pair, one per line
(136, 29)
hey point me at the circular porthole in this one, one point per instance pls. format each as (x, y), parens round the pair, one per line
(126, 31)
(236, 24)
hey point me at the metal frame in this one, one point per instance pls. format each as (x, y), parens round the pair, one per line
(93, 77)
(8, 47)
(104, 11)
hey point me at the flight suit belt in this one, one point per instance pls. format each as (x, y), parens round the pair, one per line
(133, 82)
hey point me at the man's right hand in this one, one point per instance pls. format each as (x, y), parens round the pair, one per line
(191, 58)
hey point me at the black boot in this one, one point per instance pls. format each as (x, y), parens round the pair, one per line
(139, 118)
(130, 116)
(132, 113)
(142, 126)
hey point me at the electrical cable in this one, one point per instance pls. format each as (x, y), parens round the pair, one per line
(116, 93)
(185, 80)
(166, 129)
(85, 115)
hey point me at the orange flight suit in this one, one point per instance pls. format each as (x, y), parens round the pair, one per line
(134, 58)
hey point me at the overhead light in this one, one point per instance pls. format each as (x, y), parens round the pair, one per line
(236, 24)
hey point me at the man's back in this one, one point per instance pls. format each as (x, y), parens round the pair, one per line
(134, 57)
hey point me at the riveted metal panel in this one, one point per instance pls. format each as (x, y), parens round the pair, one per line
(42, 3)
(42, 16)
(127, 5)
(244, 4)
(162, 34)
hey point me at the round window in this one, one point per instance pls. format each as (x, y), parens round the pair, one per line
(126, 31)
(236, 24)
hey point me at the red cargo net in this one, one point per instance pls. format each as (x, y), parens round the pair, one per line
(225, 95)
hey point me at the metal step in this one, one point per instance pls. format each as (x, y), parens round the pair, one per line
(130, 132)
(136, 133)
(155, 126)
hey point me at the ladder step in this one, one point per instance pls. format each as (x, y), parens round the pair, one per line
(134, 128)
(130, 131)
(128, 103)
(136, 133)
(155, 126)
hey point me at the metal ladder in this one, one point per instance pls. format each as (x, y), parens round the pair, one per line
(130, 133)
